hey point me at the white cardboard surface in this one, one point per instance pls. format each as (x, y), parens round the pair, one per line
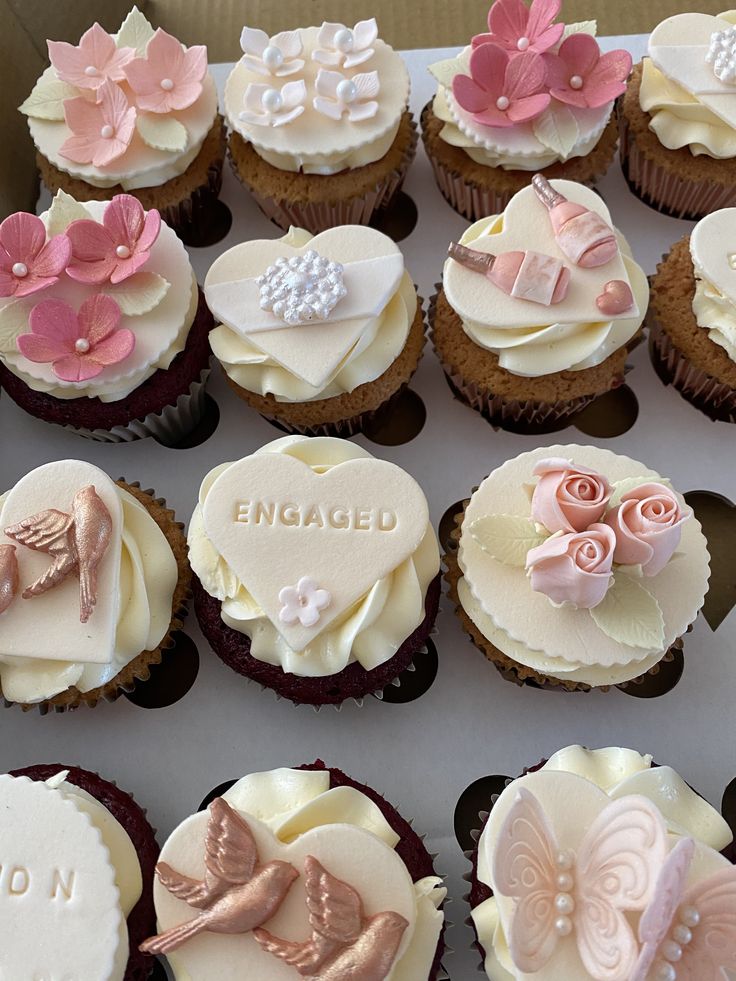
(471, 722)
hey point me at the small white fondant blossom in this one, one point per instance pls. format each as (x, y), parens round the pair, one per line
(341, 46)
(267, 106)
(303, 602)
(302, 288)
(277, 55)
(722, 55)
(339, 96)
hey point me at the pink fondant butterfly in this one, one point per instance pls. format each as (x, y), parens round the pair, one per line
(689, 933)
(560, 893)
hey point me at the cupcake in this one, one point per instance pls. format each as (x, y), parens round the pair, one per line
(93, 581)
(678, 117)
(134, 112)
(531, 96)
(692, 324)
(316, 333)
(599, 864)
(320, 130)
(278, 592)
(520, 367)
(103, 329)
(298, 872)
(575, 568)
(77, 892)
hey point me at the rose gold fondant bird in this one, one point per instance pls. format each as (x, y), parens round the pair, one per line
(8, 576)
(76, 542)
(344, 943)
(236, 895)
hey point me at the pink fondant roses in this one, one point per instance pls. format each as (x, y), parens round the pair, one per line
(574, 568)
(568, 497)
(648, 526)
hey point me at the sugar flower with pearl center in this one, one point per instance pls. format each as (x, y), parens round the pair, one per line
(268, 106)
(302, 288)
(170, 76)
(95, 60)
(345, 47)
(303, 602)
(28, 263)
(501, 89)
(277, 55)
(102, 130)
(339, 96)
(118, 247)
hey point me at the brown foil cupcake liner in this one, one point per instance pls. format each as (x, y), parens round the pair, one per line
(513, 671)
(714, 398)
(318, 216)
(666, 191)
(139, 669)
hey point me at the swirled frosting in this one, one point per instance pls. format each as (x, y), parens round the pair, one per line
(378, 339)
(369, 633)
(291, 804)
(715, 313)
(312, 142)
(148, 577)
(164, 315)
(618, 773)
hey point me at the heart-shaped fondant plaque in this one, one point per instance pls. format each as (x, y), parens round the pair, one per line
(526, 226)
(373, 268)
(276, 522)
(350, 854)
(48, 625)
(713, 248)
(678, 48)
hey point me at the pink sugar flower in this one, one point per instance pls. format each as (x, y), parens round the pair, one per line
(96, 59)
(101, 130)
(581, 76)
(502, 89)
(117, 248)
(168, 78)
(516, 27)
(77, 345)
(28, 263)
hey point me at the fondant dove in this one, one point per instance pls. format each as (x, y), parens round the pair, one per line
(76, 542)
(236, 894)
(344, 943)
(8, 576)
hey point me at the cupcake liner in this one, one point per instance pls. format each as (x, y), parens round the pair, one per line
(318, 216)
(190, 214)
(666, 191)
(137, 670)
(714, 398)
(141, 921)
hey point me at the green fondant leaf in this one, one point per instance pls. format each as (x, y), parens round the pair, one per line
(46, 101)
(445, 71)
(162, 132)
(621, 487)
(506, 537)
(63, 211)
(582, 27)
(135, 32)
(140, 294)
(13, 323)
(557, 129)
(630, 615)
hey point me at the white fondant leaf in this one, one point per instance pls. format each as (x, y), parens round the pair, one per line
(621, 487)
(162, 132)
(582, 27)
(557, 129)
(445, 71)
(630, 615)
(135, 32)
(63, 211)
(140, 294)
(46, 101)
(13, 323)
(506, 537)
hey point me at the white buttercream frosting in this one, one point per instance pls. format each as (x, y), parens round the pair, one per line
(296, 806)
(565, 642)
(375, 341)
(715, 313)
(714, 265)
(312, 142)
(618, 773)
(160, 333)
(373, 628)
(148, 577)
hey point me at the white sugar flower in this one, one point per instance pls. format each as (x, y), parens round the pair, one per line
(339, 96)
(277, 55)
(302, 288)
(722, 55)
(341, 46)
(303, 602)
(267, 106)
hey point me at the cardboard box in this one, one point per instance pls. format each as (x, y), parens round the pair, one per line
(25, 25)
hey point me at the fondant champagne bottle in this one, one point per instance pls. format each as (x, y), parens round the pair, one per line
(584, 237)
(524, 275)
